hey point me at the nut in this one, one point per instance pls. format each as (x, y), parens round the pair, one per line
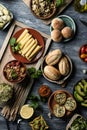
(53, 57)
(51, 72)
(63, 66)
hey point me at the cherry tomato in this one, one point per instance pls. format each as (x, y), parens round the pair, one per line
(83, 56)
(86, 49)
(85, 59)
(82, 49)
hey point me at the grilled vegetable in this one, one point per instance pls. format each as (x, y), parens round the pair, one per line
(39, 124)
(70, 104)
(6, 92)
(59, 111)
(79, 124)
(80, 92)
(60, 98)
(5, 16)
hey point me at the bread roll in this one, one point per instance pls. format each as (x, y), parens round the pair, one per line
(53, 57)
(63, 66)
(51, 72)
(57, 23)
(56, 35)
(67, 32)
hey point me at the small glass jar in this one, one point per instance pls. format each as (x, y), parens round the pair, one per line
(80, 5)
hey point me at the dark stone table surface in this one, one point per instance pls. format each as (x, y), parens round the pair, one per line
(23, 14)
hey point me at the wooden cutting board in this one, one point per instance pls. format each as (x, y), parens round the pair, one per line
(22, 90)
(60, 10)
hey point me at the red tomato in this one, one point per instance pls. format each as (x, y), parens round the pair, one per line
(86, 49)
(82, 49)
(85, 59)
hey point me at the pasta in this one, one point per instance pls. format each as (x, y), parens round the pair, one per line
(29, 46)
(22, 35)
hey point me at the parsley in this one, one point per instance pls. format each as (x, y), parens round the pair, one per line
(34, 73)
(59, 2)
(12, 41)
(34, 101)
(14, 74)
(15, 46)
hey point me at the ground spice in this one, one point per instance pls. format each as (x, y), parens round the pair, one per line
(44, 91)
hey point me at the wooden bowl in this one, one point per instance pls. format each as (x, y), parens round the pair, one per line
(20, 71)
(62, 79)
(52, 12)
(52, 102)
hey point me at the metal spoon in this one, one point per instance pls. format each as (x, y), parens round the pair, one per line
(18, 123)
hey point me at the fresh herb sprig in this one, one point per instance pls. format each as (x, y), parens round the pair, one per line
(59, 2)
(34, 101)
(15, 46)
(34, 73)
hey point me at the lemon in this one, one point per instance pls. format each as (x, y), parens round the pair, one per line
(26, 111)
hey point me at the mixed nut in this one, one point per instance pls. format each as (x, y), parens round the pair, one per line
(43, 9)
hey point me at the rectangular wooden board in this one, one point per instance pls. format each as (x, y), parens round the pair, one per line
(21, 90)
(59, 10)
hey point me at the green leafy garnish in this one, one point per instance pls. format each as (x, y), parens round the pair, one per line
(59, 2)
(79, 124)
(34, 73)
(15, 46)
(34, 104)
(13, 74)
(34, 101)
(12, 41)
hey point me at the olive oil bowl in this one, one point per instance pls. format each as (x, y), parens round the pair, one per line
(63, 79)
(80, 92)
(6, 17)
